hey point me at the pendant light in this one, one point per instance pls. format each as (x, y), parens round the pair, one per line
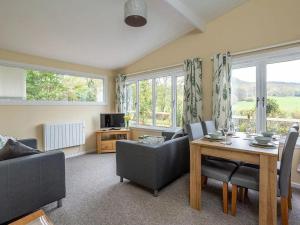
(135, 13)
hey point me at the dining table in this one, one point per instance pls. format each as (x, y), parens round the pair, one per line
(240, 150)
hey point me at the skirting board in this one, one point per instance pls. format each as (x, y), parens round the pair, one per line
(295, 185)
(79, 153)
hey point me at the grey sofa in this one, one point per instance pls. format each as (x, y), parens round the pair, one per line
(30, 182)
(152, 166)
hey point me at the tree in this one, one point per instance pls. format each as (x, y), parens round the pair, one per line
(47, 86)
(145, 95)
(44, 86)
(272, 107)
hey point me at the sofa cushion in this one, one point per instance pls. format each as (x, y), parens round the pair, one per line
(4, 139)
(14, 149)
(177, 134)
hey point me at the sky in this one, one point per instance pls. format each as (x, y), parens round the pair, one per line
(280, 72)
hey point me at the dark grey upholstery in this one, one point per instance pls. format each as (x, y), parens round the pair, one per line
(30, 182)
(31, 142)
(152, 166)
(195, 131)
(218, 170)
(248, 177)
(212, 167)
(209, 127)
(169, 133)
(286, 161)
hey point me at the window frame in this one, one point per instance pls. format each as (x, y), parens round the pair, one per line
(58, 72)
(260, 61)
(152, 76)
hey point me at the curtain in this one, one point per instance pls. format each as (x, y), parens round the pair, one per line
(222, 111)
(121, 93)
(192, 97)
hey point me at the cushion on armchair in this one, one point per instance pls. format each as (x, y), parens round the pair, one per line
(14, 149)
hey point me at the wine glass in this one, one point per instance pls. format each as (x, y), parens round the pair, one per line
(225, 132)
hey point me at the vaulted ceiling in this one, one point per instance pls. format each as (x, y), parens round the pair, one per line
(92, 32)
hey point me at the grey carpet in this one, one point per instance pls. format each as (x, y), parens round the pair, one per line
(95, 196)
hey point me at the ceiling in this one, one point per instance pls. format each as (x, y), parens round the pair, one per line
(92, 32)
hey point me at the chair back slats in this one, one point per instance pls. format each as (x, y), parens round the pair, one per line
(195, 131)
(286, 161)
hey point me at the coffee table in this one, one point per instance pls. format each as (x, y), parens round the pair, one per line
(36, 218)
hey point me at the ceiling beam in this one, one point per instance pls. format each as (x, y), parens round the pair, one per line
(188, 13)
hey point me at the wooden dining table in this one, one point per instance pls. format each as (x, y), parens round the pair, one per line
(239, 150)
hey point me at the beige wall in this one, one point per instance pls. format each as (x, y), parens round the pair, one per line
(256, 24)
(24, 121)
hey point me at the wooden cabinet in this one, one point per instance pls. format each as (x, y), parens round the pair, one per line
(106, 139)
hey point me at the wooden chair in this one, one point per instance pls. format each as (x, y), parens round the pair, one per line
(248, 177)
(215, 169)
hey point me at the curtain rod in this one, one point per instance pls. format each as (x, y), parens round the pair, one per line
(264, 48)
(156, 69)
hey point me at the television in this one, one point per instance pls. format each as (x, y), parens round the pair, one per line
(112, 120)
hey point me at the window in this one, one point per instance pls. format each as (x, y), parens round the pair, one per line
(156, 99)
(39, 86)
(266, 91)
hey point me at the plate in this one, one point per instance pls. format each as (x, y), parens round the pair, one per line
(218, 138)
(269, 145)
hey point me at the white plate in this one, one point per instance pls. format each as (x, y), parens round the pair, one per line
(255, 143)
(218, 138)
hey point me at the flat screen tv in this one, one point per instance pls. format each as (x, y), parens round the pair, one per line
(112, 120)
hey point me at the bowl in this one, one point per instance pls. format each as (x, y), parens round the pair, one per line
(262, 140)
(267, 134)
(215, 135)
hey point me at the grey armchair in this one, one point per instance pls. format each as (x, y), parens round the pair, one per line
(248, 177)
(215, 168)
(30, 182)
(152, 166)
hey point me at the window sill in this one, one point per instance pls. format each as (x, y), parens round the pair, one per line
(151, 128)
(50, 103)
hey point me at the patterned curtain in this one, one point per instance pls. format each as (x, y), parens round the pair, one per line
(192, 97)
(121, 93)
(222, 111)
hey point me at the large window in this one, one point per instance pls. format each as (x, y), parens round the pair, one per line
(38, 86)
(156, 99)
(266, 91)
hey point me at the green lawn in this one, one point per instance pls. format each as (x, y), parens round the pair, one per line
(286, 104)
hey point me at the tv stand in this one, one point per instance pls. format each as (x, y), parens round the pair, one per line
(114, 128)
(106, 139)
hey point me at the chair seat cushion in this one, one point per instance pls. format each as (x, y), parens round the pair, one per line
(247, 177)
(218, 170)
(238, 163)
(257, 166)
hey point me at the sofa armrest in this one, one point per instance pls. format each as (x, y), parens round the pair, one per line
(172, 160)
(30, 142)
(30, 182)
(137, 162)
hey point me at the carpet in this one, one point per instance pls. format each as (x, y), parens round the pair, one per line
(95, 196)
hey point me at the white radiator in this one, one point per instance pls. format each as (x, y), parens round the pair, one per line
(58, 136)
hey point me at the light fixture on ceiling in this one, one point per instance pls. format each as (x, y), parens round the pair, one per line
(135, 13)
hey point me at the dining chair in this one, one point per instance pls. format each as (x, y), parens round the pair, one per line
(215, 169)
(248, 177)
(209, 126)
(244, 191)
(296, 126)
